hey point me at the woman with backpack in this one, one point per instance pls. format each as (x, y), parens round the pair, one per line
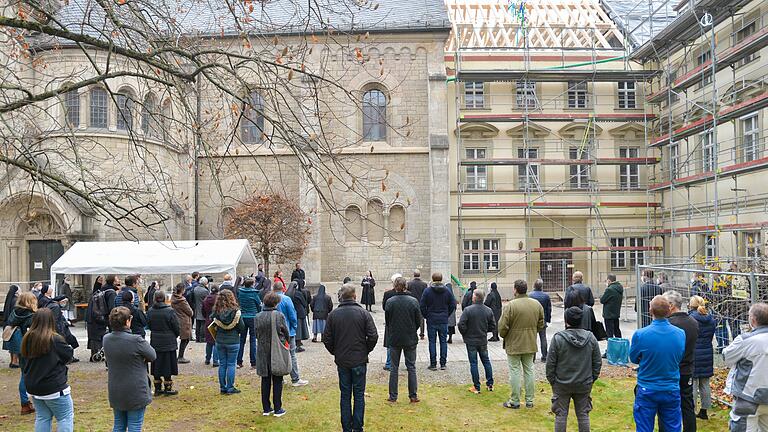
(272, 355)
(96, 319)
(21, 318)
(46, 355)
(703, 354)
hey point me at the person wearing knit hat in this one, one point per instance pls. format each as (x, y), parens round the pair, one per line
(573, 365)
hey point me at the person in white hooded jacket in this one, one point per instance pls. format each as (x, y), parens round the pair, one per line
(747, 381)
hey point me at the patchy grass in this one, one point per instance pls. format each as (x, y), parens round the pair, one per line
(199, 407)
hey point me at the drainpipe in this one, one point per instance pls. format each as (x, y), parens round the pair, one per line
(198, 142)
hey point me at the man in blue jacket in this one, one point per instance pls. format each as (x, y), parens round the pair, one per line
(437, 304)
(286, 308)
(658, 349)
(540, 296)
(250, 305)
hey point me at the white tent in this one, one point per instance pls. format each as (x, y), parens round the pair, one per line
(154, 257)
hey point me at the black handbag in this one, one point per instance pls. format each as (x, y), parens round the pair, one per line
(598, 329)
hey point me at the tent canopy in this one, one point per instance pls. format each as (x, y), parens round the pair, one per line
(154, 257)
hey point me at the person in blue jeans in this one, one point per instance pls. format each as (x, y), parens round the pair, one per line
(289, 312)
(350, 335)
(437, 304)
(127, 386)
(476, 322)
(229, 326)
(211, 353)
(21, 317)
(250, 305)
(46, 355)
(658, 349)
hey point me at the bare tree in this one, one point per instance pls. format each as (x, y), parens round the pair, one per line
(275, 226)
(184, 84)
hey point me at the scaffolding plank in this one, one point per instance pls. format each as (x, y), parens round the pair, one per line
(739, 168)
(554, 75)
(560, 205)
(518, 117)
(524, 161)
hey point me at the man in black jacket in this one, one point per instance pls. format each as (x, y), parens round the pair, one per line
(350, 334)
(299, 275)
(402, 317)
(540, 296)
(578, 286)
(466, 301)
(417, 286)
(475, 323)
(690, 326)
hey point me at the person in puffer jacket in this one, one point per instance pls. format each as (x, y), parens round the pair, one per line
(703, 363)
(573, 365)
(747, 357)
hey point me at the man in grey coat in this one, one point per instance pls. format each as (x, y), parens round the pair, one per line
(573, 365)
(128, 384)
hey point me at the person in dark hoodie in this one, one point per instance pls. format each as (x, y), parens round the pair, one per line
(321, 305)
(138, 317)
(475, 323)
(21, 317)
(466, 301)
(493, 301)
(229, 325)
(299, 300)
(250, 306)
(437, 304)
(540, 296)
(690, 326)
(611, 301)
(210, 342)
(573, 365)
(163, 325)
(46, 356)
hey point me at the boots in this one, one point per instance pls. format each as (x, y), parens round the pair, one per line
(169, 388)
(159, 387)
(702, 414)
(27, 408)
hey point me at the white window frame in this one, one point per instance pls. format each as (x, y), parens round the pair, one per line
(474, 94)
(752, 245)
(627, 95)
(477, 175)
(72, 109)
(710, 246)
(577, 94)
(470, 256)
(579, 174)
(629, 174)
(674, 161)
(491, 255)
(744, 32)
(707, 151)
(525, 94)
(124, 111)
(98, 108)
(627, 260)
(750, 138)
(703, 57)
(528, 174)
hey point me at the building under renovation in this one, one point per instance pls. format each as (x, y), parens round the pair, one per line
(560, 126)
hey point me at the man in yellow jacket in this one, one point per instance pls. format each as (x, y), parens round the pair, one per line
(520, 322)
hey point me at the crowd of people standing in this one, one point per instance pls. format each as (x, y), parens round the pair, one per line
(674, 350)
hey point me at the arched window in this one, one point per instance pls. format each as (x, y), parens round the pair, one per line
(124, 102)
(148, 116)
(252, 123)
(72, 108)
(397, 223)
(165, 121)
(353, 222)
(99, 110)
(374, 115)
(375, 217)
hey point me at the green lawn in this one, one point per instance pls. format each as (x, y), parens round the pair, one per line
(199, 407)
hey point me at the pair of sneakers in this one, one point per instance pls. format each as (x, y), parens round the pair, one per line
(279, 413)
(476, 390)
(511, 405)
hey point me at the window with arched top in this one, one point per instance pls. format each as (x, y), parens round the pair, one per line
(124, 102)
(397, 223)
(165, 121)
(252, 123)
(353, 222)
(99, 111)
(375, 220)
(149, 116)
(374, 115)
(72, 108)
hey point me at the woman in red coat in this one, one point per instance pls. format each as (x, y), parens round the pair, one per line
(278, 277)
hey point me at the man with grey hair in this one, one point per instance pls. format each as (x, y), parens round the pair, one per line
(747, 356)
(199, 293)
(350, 335)
(690, 326)
(474, 325)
